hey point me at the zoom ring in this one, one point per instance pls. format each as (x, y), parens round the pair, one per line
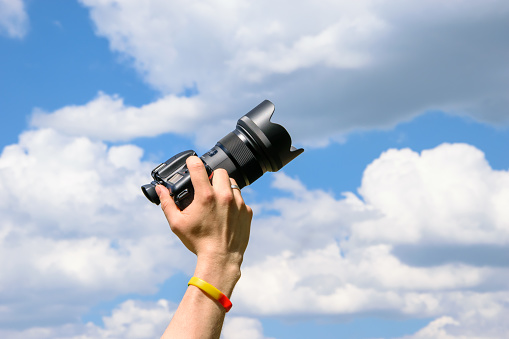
(243, 157)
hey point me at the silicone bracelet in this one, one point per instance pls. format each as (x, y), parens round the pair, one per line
(213, 292)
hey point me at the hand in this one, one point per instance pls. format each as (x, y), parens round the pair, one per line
(215, 226)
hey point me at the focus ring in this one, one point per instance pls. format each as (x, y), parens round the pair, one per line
(243, 156)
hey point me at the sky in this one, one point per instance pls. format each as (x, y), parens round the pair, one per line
(392, 224)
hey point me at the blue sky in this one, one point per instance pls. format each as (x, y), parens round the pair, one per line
(404, 116)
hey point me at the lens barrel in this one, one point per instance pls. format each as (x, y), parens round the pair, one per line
(258, 145)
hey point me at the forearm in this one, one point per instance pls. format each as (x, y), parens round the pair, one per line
(198, 315)
(216, 228)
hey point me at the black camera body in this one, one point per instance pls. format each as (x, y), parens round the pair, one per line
(255, 146)
(174, 175)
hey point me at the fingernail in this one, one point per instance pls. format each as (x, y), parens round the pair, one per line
(158, 190)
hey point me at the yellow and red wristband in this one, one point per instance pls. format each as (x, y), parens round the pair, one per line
(211, 291)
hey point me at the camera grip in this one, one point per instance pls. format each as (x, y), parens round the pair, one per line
(182, 190)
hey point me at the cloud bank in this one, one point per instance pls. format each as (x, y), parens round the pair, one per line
(68, 235)
(365, 254)
(370, 256)
(337, 66)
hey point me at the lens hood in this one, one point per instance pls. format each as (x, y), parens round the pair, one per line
(272, 140)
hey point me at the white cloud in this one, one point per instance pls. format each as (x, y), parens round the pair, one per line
(321, 62)
(336, 46)
(64, 181)
(70, 244)
(242, 328)
(107, 118)
(323, 255)
(131, 320)
(180, 43)
(446, 195)
(76, 229)
(470, 325)
(135, 319)
(436, 329)
(13, 18)
(369, 279)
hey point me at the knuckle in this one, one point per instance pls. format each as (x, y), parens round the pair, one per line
(207, 195)
(226, 197)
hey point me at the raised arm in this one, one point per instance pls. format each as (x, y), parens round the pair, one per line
(216, 228)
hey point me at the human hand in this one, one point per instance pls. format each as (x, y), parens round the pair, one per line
(215, 226)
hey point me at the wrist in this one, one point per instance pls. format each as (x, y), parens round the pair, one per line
(219, 271)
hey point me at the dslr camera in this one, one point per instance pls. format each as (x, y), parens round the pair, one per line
(255, 146)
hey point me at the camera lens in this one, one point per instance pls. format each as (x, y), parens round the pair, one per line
(255, 146)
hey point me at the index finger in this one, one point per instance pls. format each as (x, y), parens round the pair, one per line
(198, 173)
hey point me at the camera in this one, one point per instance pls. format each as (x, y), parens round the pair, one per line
(255, 146)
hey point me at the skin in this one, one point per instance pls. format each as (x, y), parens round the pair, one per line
(216, 228)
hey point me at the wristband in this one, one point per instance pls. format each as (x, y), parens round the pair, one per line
(211, 291)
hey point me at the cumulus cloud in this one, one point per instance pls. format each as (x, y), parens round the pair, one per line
(337, 66)
(64, 180)
(68, 236)
(13, 18)
(134, 319)
(446, 195)
(343, 256)
(70, 245)
(131, 319)
(471, 325)
(242, 328)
